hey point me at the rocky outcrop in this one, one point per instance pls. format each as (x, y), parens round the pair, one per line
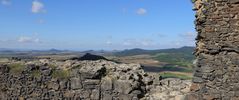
(168, 89)
(217, 66)
(84, 80)
(89, 80)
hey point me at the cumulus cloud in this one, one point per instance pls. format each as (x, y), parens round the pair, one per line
(141, 11)
(5, 2)
(38, 7)
(25, 39)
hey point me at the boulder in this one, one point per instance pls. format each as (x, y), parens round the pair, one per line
(92, 71)
(76, 83)
(4, 69)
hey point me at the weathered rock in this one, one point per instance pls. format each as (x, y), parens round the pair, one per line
(4, 69)
(76, 83)
(106, 84)
(92, 80)
(95, 95)
(169, 89)
(53, 85)
(234, 1)
(91, 84)
(89, 80)
(217, 50)
(125, 89)
(92, 72)
(107, 97)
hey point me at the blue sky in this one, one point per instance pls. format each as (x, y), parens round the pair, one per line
(96, 24)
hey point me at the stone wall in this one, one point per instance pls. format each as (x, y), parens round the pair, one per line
(84, 80)
(217, 68)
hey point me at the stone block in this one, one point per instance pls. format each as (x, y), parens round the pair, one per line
(75, 83)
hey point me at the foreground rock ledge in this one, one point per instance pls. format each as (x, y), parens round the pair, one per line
(84, 80)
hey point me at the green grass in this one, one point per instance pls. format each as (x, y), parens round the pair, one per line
(61, 74)
(16, 68)
(36, 73)
(180, 59)
(177, 69)
(174, 75)
(52, 66)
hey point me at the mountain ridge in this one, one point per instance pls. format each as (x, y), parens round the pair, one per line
(138, 51)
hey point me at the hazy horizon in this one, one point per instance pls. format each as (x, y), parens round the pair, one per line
(47, 49)
(96, 25)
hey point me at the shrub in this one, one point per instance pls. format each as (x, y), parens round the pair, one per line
(36, 73)
(52, 66)
(16, 68)
(61, 74)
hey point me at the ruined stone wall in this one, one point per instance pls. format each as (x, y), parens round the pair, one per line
(217, 69)
(85, 80)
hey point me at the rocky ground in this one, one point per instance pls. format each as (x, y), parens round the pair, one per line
(84, 80)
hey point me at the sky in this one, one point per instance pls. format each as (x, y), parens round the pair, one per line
(96, 24)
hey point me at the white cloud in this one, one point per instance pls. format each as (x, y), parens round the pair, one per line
(5, 2)
(139, 43)
(109, 42)
(188, 36)
(25, 39)
(35, 34)
(38, 7)
(177, 44)
(187, 39)
(141, 11)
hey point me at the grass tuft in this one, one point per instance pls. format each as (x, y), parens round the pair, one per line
(36, 73)
(52, 66)
(61, 74)
(174, 75)
(177, 69)
(16, 68)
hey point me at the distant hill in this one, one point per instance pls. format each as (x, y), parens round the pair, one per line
(100, 52)
(177, 56)
(137, 51)
(6, 50)
(89, 56)
(48, 51)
